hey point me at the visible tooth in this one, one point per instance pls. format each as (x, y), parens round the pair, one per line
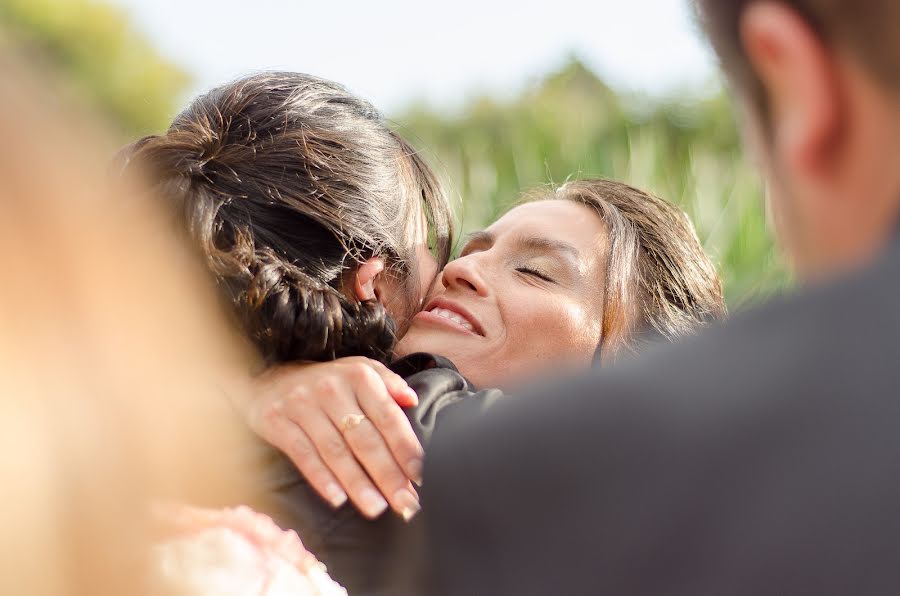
(452, 316)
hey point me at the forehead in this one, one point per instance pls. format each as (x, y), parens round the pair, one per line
(566, 221)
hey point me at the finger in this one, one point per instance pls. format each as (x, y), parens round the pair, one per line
(294, 442)
(372, 452)
(375, 457)
(340, 459)
(396, 385)
(394, 427)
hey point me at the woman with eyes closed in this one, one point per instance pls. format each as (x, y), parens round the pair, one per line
(580, 275)
(590, 271)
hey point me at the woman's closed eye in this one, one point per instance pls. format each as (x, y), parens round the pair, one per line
(533, 272)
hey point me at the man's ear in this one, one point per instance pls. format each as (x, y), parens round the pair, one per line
(799, 77)
(364, 281)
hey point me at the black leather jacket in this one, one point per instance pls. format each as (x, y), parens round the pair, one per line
(368, 557)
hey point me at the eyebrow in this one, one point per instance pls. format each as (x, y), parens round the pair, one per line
(481, 238)
(537, 243)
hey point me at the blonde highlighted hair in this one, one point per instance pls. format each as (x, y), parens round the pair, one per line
(659, 281)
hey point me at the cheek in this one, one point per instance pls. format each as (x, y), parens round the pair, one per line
(427, 270)
(551, 330)
(395, 299)
(404, 302)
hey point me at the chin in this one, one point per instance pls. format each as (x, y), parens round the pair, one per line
(417, 341)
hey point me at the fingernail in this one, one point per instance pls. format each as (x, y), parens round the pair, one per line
(335, 495)
(414, 470)
(372, 502)
(407, 503)
(412, 395)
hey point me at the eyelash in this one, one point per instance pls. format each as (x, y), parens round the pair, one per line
(534, 273)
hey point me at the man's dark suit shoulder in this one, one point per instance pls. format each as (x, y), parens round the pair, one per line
(755, 458)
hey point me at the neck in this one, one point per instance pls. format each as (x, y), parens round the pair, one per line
(855, 240)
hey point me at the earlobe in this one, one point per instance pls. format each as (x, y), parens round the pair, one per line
(364, 280)
(798, 74)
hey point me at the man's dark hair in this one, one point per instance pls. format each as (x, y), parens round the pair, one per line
(866, 27)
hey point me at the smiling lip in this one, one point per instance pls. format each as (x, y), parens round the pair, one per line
(452, 316)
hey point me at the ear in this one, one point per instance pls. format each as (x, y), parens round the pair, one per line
(364, 282)
(799, 76)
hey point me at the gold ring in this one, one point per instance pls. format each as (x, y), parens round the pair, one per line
(351, 421)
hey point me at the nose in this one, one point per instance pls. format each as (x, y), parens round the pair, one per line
(464, 274)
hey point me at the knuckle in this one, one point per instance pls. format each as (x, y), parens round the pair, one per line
(378, 367)
(392, 377)
(362, 373)
(271, 411)
(327, 386)
(389, 476)
(295, 393)
(407, 448)
(381, 395)
(333, 448)
(385, 417)
(366, 441)
(301, 449)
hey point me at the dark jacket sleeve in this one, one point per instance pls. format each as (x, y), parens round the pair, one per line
(441, 388)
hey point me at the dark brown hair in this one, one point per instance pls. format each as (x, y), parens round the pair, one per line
(868, 27)
(659, 281)
(286, 182)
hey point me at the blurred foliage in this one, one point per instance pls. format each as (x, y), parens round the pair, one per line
(567, 125)
(571, 125)
(97, 51)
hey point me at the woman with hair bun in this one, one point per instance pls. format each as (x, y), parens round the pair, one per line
(323, 229)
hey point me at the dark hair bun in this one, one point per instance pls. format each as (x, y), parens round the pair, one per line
(291, 316)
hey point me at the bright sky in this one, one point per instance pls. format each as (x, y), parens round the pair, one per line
(396, 51)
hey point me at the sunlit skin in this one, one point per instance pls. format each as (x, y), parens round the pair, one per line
(524, 297)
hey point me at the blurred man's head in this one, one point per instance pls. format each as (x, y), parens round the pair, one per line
(818, 83)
